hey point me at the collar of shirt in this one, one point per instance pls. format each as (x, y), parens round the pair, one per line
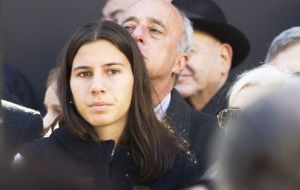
(161, 109)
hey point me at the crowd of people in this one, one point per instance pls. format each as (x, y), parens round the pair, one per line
(140, 99)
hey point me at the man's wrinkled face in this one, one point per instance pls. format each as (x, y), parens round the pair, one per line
(157, 27)
(114, 9)
(203, 69)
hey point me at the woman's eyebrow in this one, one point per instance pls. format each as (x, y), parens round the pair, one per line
(113, 64)
(80, 67)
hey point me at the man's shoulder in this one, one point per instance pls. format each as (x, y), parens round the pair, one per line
(40, 148)
(18, 115)
(12, 108)
(21, 124)
(178, 104)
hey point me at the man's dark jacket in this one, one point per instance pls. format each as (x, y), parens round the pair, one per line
(218, 102)
(195, 128)
(21, 125)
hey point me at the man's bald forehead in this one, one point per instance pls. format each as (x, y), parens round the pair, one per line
(168, 1)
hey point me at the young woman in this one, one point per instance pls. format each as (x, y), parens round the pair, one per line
(110, 137)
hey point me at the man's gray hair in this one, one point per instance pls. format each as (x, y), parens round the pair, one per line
(284, 40)
(186, 40)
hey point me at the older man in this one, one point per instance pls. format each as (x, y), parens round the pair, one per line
(163, 36)
(284, 51)
(218, 47)
(113, 9)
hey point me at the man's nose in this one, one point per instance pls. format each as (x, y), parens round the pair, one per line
(139, 33)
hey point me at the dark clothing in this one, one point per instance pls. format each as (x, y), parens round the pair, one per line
(218, 102)
(21, 125)
(193, 127)
(87, 164)
(17, 88)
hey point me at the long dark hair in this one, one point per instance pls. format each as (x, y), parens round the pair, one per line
(153, 146)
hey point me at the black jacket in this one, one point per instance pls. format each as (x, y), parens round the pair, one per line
(85, 164)
(21, 125)
(195, 128)
(218, 102)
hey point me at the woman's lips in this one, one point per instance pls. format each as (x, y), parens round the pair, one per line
(100, 106)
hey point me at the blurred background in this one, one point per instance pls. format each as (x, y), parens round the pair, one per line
(35, 31)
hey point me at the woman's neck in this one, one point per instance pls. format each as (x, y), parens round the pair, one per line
(110, 132)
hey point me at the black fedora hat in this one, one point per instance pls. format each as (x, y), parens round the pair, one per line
(207, 16)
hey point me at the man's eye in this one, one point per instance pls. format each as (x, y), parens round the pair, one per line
(154, 30)
(193, 51)
(84, 74)
(129, 28)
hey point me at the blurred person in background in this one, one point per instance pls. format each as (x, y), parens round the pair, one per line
(51, 102)
(201, 185)
(249, 87)
(113, 9)
(284, 51)
(218, 47)
(261, 149)
(253, 85)
(21, 125)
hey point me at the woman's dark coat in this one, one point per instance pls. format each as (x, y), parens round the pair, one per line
(84, 164)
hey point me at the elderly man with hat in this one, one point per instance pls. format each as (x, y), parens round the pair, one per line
(218, 47)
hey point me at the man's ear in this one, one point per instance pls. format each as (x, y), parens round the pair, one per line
(225, 58)
(181, 62)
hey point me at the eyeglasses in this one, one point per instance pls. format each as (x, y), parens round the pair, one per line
(226, 115)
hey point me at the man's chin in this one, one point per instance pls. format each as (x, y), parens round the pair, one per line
(185, 94)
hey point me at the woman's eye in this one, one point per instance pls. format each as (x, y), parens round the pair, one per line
(84, 74)
(113, 71)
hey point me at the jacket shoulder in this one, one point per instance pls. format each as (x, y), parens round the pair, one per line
(21, 125)
(203, 118)
(184, 172)
(37, 149)
(16, 115)
(15, 108)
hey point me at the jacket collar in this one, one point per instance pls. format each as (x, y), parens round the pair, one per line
(88, 151)
(100, 156)
(179, 116)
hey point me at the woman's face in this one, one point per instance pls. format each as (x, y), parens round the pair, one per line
(101, 84)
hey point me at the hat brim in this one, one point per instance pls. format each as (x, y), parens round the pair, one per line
(226, 33)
